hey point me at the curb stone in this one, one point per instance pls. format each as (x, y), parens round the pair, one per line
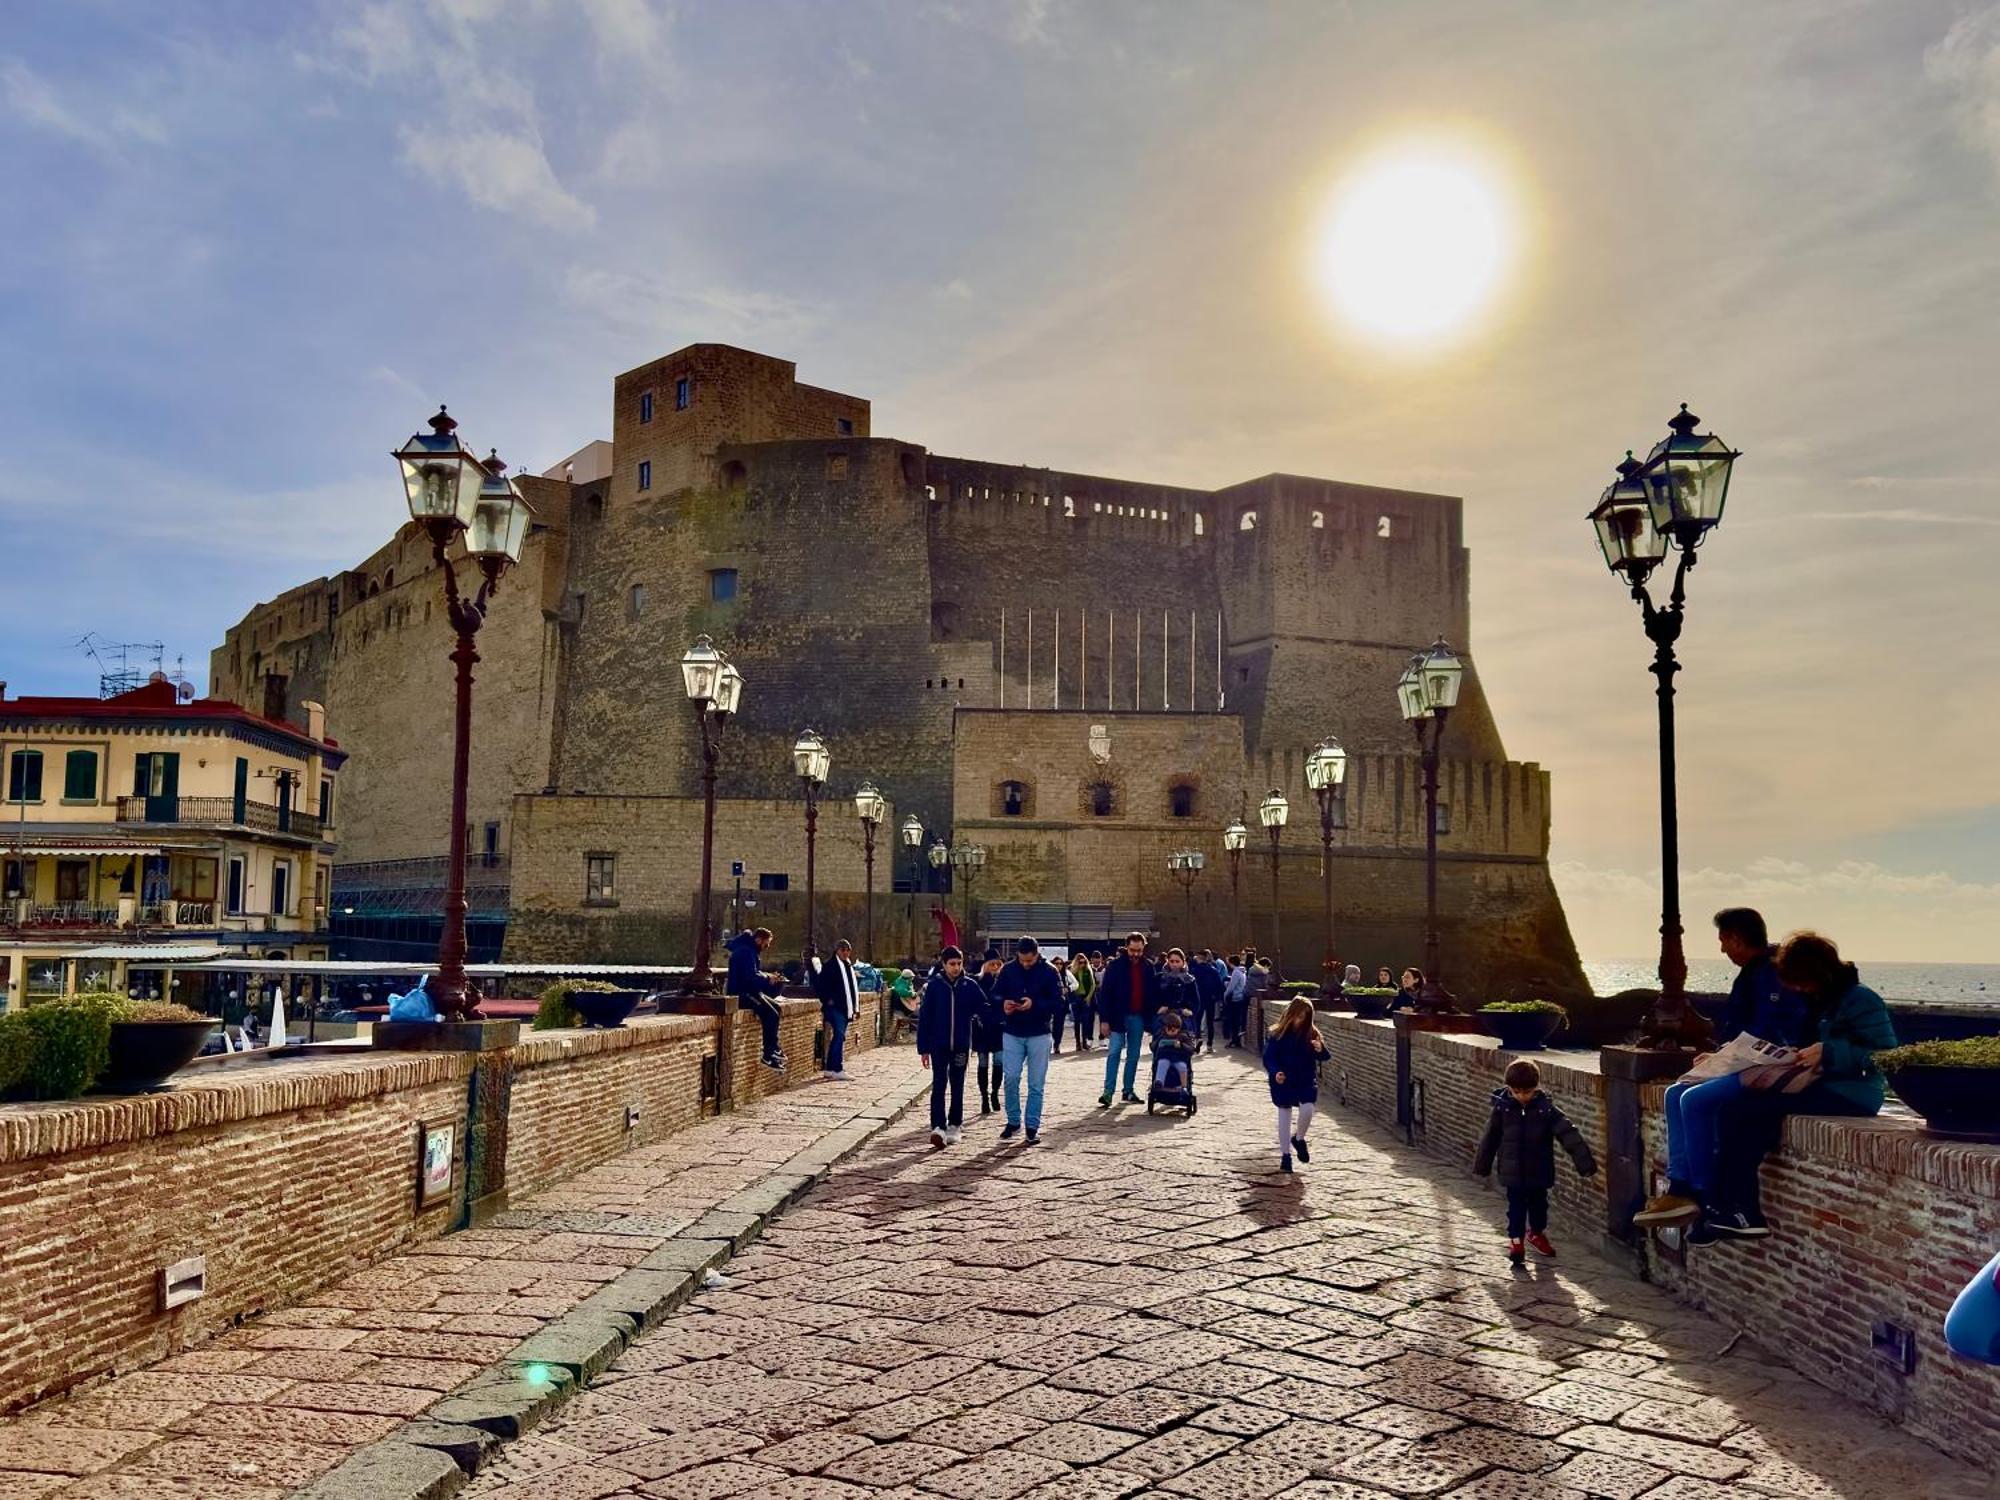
(434, 1455)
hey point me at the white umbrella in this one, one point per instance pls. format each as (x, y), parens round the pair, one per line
(277, 1017)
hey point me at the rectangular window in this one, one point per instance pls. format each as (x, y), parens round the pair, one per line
(80, 776)
(845, 426)
(326, 801)
(281, 887)
(319, 894)
(646, 406)
(24, 776)
(774, 882)
(721, 585)
(1444, 818)
(836, 466)
(238, 879)
(683, 393)
(600, 879)
(645, 474)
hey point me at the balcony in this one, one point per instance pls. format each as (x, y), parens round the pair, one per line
(221, 812)
(72, 918)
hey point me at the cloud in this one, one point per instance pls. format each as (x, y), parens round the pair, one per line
(646, 305)
(499, 170)
(34, 99)
(1966, 60)
(1905, 516)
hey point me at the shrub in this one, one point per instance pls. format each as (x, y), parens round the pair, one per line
(1301, 987)
(69, 1043)
(1527, 1008)
(1973, 1052)
(1381, 990)
(17, 1050)
(158, 1012)
(555, 1012)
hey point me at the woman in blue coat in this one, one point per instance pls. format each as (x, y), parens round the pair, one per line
(1292, 1055)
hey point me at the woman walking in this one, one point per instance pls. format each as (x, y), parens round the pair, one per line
(1292, 1054)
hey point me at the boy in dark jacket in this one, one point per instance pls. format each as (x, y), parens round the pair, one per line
(1521, 1140)
(951, 1005)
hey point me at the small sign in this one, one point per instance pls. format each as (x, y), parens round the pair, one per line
(736, 868)
(436, 1155)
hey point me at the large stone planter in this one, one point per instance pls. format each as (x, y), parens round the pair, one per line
(605, 1009)
(1521, 1030)
(145, 1054)
(1957, 1103)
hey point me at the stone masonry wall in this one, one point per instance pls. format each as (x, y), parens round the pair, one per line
(1872, 1220)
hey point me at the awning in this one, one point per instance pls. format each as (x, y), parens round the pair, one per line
(8, 850)
(147, 954)
(334, 967)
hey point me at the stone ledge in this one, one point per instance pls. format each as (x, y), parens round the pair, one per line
(391, 1471)
(539, 1048)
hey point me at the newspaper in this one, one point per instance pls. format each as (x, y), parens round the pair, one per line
(1739, 1053)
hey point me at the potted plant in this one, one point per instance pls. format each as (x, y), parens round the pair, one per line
(584, 1002)
(1955, 1086)
(150, 1041)
(1523, 1025)
(1371, 1002)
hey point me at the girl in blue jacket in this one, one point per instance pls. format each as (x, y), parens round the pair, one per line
(1292, 1055)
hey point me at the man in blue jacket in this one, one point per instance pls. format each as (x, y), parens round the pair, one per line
(1126, 1003)
(1208, 980)
(1030, 998)
(757, 989)
(945, 1017)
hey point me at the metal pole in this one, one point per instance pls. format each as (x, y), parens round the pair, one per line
(868, 858)
(1276, 833)
(1326, 882)
(1236, 895)
(700, 978)
(812, 830)
(1670, 1020)
(914, 866)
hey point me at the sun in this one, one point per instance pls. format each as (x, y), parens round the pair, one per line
(1414, 244)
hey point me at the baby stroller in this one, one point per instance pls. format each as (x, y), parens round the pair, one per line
(1172, 1076)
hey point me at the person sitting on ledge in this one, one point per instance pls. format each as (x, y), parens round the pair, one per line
(1762, 1007)
(1410, 991)
(1834, 1075)
(757, 989)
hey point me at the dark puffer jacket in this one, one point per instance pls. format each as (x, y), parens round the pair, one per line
(1521, 1141)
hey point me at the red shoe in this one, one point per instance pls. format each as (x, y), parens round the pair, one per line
(1514, 1252)
(1540, 1243)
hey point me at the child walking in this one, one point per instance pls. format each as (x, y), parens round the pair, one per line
(1292, 1054)
(1521, 1140)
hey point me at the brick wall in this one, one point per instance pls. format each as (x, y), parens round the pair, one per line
(1873, 1220)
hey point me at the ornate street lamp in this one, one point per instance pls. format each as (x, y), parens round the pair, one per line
(1427, 693)
(1273, 812)
(1674, 499)
(913, 840)
(1186, 865)
(457, 498)
(811, 761)
(1234, 837)
(870, 807)
(969, 860)
(714, 687)
(1326, 774)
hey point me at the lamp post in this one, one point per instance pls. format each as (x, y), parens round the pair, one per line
(1234, 837)
(913, 840)
(1186, 865)
(938, 854)
(1273, 812)
(1326, 774)
(870, 807)
(811, 760)
(1674, 499)
(969, 860)
(455, 497)
(1427, 692)
(714, 687)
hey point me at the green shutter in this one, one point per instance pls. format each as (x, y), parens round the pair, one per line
(24, 780)
(80, 776)
(242, 792)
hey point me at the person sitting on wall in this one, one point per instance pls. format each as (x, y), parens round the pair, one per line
(1835, 1074)
(839, 994)
(1384, 980)
(1410, 991)
(1758, 1006)
(757, 989)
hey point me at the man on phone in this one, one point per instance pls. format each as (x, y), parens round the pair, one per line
(1031, 998)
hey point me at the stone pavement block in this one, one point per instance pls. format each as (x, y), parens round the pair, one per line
(582, 1344)
(1675, 1457)
(644, 1296)
(505, 1406)
(471, 1448)
(686, 1253)
(69, 1450)
(993, 1476)
(1600, 1474)
(739, 1229)
(390, 1471)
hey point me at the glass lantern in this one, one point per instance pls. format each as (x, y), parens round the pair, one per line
(1623, 516)
(1327, 765)
(1687, 480)
(441, 478)
(701, 670)
(1273, 811)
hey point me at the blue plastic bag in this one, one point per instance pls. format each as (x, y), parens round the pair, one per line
(414, 1005)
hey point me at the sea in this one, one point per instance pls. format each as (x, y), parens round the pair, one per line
(1956, 984)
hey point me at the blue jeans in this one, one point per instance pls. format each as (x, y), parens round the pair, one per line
(1033, 1051)
(836, 1042)
(1125, 1041)
(1694, 1113)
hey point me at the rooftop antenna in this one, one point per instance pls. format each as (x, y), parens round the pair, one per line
(125, 665)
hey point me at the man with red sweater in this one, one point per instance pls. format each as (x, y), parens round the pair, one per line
(1127, 1000)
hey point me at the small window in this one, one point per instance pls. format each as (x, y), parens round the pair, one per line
(1319, 520)
(238, 878)
(600, 879)
(1247, 521)
(646, 406)
(836, 466)
(635, 602)
(593, 507)
(1069, 506)
(683, 393)
(1180, 800)
(721, 585)
(1444, 818)
(734, 475)
(80, 776)
(1197, 523)
(645, 473)
(1385, 526)
(770, 882)
(1013, 799)
(490, 844)
(281, 887)
(844, 426)
(326, 801)
(24, 777)
(1103, 802)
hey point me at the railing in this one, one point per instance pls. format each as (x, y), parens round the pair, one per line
(220, 812)
(68, 914)
(71, 916)
(194, 914)
(423, 870)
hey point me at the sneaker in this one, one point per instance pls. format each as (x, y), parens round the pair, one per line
(1034, 1135)
(1736, 1225)
(985, 1108)
(1667, 1211)
(1104, 1100)
(952, 1135)
(1514, 1252)
(1701, 1232)
(1757, 1226)
(1132, 1098)
(775, 1061)
(1285, 1165)
(1008, 1132)
(1539, 1243)
(1299, 1149)
(937, 1136)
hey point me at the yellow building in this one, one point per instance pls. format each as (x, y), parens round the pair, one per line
(145, 820)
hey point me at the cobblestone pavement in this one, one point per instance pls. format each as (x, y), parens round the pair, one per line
(1143, 1307)
(263, 1409)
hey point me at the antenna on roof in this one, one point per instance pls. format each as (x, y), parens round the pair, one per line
(125, 665)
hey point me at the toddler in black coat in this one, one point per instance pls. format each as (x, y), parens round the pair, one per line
(1521, 1141)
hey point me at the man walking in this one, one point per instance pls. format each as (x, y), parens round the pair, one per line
(1126, 1001)
(1083, 1008)
(1208, 995)
(1030, 996)
(757, 989)
(952, 1000)
(839, 1004)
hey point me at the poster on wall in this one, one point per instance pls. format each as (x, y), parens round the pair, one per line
(434, 1163)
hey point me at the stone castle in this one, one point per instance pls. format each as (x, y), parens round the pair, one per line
(1080, 674)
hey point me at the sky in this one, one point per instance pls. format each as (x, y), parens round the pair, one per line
(250, 246)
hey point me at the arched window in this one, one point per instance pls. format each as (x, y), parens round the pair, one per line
(1180, 800)
(1247, 521)
(734, 475)
(635, 602)
(1069, 505)
(1198, 523)
(1013, 799)
(1103, 800)
(593, 507)
(1319, 520)
(944, 620)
